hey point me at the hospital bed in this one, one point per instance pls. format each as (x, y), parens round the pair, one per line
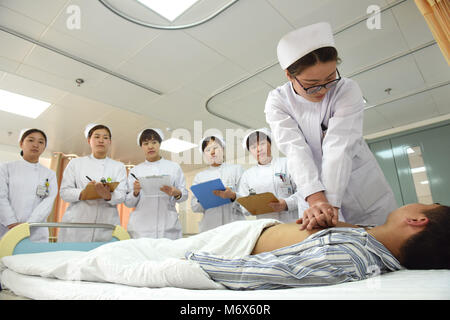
(17, 240)
(405, 284)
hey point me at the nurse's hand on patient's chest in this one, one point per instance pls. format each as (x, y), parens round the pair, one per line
(278, 206)
(319, 215)
(103, 190)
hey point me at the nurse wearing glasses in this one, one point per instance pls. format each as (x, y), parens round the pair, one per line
(317, 120)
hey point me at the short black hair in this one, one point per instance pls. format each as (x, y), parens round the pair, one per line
(30, 131)
(97, 127)
(207, 140)
(257, 136)
(430, 248)
(324, 54)
(148, 135)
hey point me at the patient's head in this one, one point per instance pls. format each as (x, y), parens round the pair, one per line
(428, 246)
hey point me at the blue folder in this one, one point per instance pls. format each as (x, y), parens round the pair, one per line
(206, 197)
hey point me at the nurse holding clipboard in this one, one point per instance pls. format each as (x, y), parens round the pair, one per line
(316, 119)
(92, 169)
(155, 215)
(212, 148)
(269, 175)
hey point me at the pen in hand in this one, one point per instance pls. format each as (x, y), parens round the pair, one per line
(88, 178)
(134, 176)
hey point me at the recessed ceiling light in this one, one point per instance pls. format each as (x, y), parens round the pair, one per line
(169, 9)
(22, 105)
(176, 145)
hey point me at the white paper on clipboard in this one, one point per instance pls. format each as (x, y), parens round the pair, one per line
(151, 185)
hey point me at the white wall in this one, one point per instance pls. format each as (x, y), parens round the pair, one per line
(10, 153)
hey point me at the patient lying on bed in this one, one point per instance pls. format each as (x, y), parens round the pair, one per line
(260, 254)
(415, 236)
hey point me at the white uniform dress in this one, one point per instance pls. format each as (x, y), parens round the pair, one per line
(326, 151)
(214, 217)
(272, 177)
(91, 211)
(155, 215)
(19, 199)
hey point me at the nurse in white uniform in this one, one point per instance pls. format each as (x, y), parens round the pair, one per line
(317, 122)
(92, 169)
(212, 148)
(27, 189)
(155, 215)
(269, 175)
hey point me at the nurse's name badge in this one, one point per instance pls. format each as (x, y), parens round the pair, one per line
(42, 190)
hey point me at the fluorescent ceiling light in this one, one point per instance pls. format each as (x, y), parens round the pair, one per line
(22, 105)
(176, 145)
(409, 150)
(169, 9)
(424, 182)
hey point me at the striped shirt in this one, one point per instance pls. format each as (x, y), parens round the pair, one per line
(330, 256)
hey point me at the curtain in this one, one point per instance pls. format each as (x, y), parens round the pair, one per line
(437, 16)
(124, 211)
(124, 214)
(58, 163)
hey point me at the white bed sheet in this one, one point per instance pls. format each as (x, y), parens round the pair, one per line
(405, 284)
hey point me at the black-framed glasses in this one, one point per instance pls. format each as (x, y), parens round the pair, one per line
(319, 87)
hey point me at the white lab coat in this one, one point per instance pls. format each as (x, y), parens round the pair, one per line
(19, 202)
(266, 178)
(214, 217)
(155, 216)
(336, 160)
(91, 211)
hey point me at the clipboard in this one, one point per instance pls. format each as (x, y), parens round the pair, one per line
(258, 203)
(151, 185)
(204, 193)
(91, 194)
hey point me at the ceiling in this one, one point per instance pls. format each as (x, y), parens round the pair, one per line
(212, 76)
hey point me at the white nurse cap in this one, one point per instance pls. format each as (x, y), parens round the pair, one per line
(300, 42)
(158, 131)
(88, 128)
(218, 137)
(266, 131)
(22, 132)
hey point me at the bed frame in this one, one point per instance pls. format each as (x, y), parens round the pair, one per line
(17, 240)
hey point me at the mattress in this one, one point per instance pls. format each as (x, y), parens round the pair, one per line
(405, 284)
